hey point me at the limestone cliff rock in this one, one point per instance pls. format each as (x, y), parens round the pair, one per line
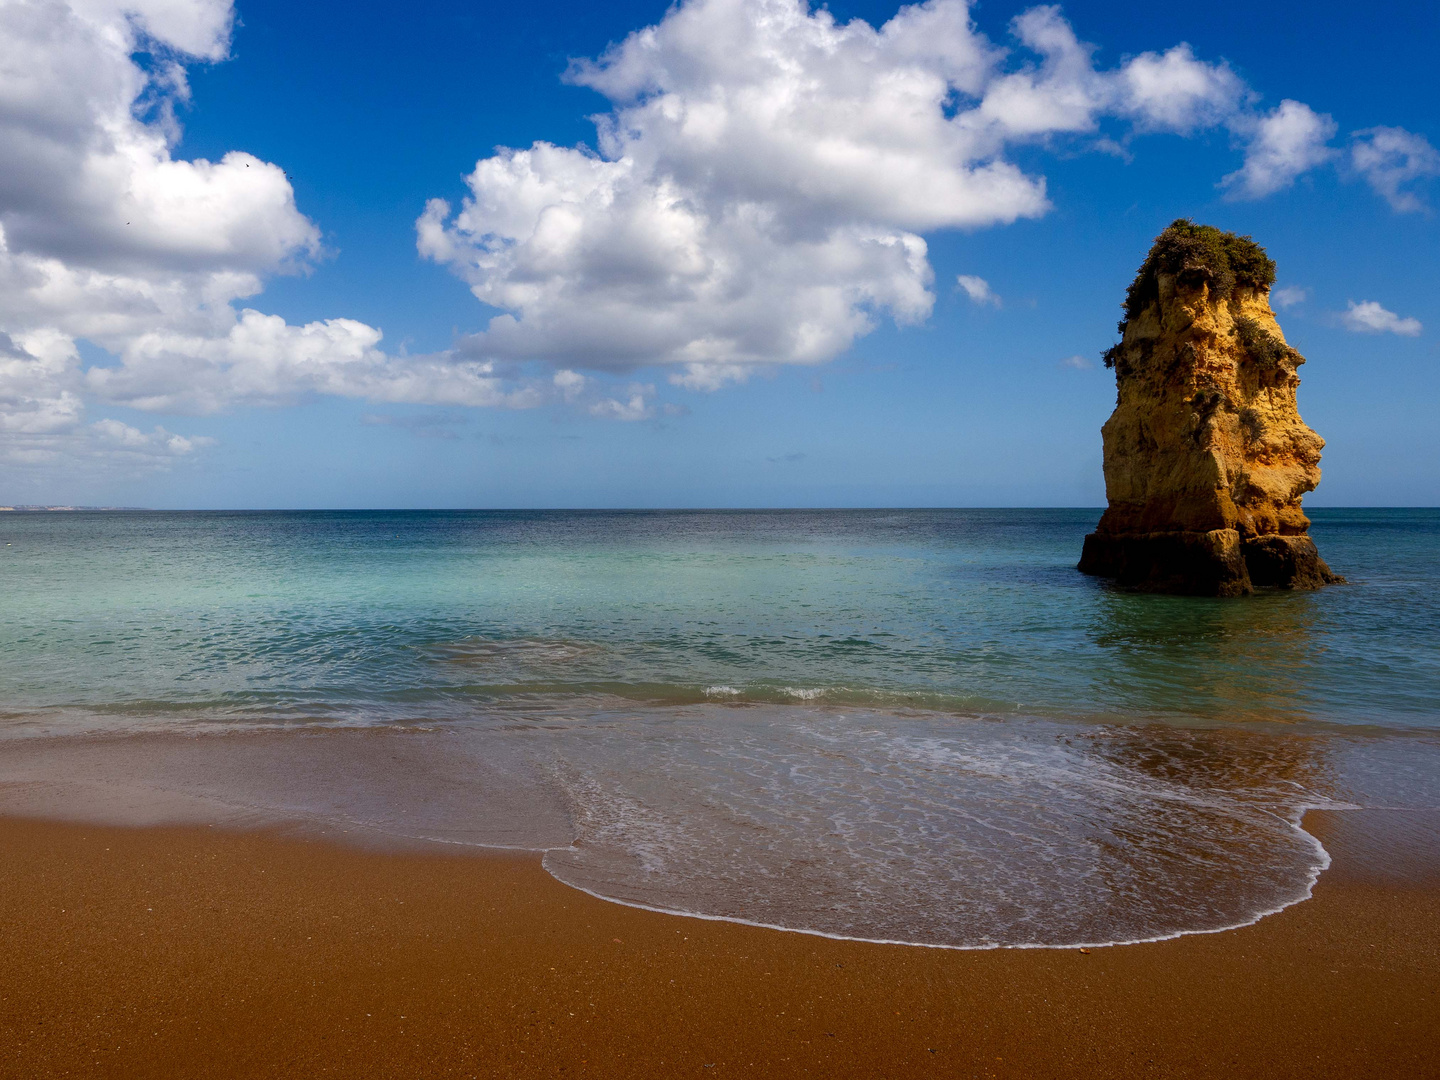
(1206, 457)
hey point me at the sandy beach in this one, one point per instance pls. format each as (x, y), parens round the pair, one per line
(195, 952)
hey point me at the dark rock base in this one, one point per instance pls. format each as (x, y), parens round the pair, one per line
(1216, 563)
(1287, 562)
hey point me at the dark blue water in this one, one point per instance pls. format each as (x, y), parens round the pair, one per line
(911, 725)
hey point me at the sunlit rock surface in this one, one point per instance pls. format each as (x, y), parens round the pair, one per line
(1206, 457)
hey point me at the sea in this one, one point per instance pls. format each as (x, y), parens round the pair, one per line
(919, 726)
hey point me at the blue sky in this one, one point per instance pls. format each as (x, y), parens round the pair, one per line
(129, 375)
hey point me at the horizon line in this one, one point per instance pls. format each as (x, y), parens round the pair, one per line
(61, 508)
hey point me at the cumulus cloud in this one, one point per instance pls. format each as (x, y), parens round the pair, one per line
(1393, 161)
(1293, 139)
(42, 420)
(88, 181)
(635, 406)
(1284, 143)
(106, 237)
(763, 177)
(104, 446)
(262, 360)
(978, 289)
(1368, 317)
(1173, 91)
(1077, 363)
(765, 174)
(1288, 296)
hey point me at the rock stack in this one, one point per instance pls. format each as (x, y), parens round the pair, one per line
(1206, 457)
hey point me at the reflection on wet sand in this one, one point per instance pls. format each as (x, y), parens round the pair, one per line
(917, 826)
(1261, 776)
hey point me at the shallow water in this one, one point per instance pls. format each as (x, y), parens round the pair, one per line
(902, 725)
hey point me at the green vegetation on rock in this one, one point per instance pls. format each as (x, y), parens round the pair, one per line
(1264, 347)
(1195, 254)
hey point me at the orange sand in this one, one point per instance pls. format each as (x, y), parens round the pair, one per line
(191, 952)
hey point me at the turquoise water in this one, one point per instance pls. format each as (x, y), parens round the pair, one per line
(910, 725)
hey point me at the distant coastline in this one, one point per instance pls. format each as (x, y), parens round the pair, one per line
(27, 509)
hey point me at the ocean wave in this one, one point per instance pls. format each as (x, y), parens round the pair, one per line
(926, 829)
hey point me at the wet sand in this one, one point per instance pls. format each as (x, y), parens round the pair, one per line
(195, 952)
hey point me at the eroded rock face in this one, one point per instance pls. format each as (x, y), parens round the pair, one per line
(1206, 457)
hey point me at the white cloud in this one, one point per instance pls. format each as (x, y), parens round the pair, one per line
(157, 442)
(262, 360)
(978, 289)
(88, 182)
(1288, 296)
(1077, 363)
(1284, 143)
(571, 384)
(707, 377)
(634, 407)
(1368, 317)
(42, 419)
(1176, 92)
(1392, 159)
(106, 236)
(1172, 91)
(106, 445)
(763, 177)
